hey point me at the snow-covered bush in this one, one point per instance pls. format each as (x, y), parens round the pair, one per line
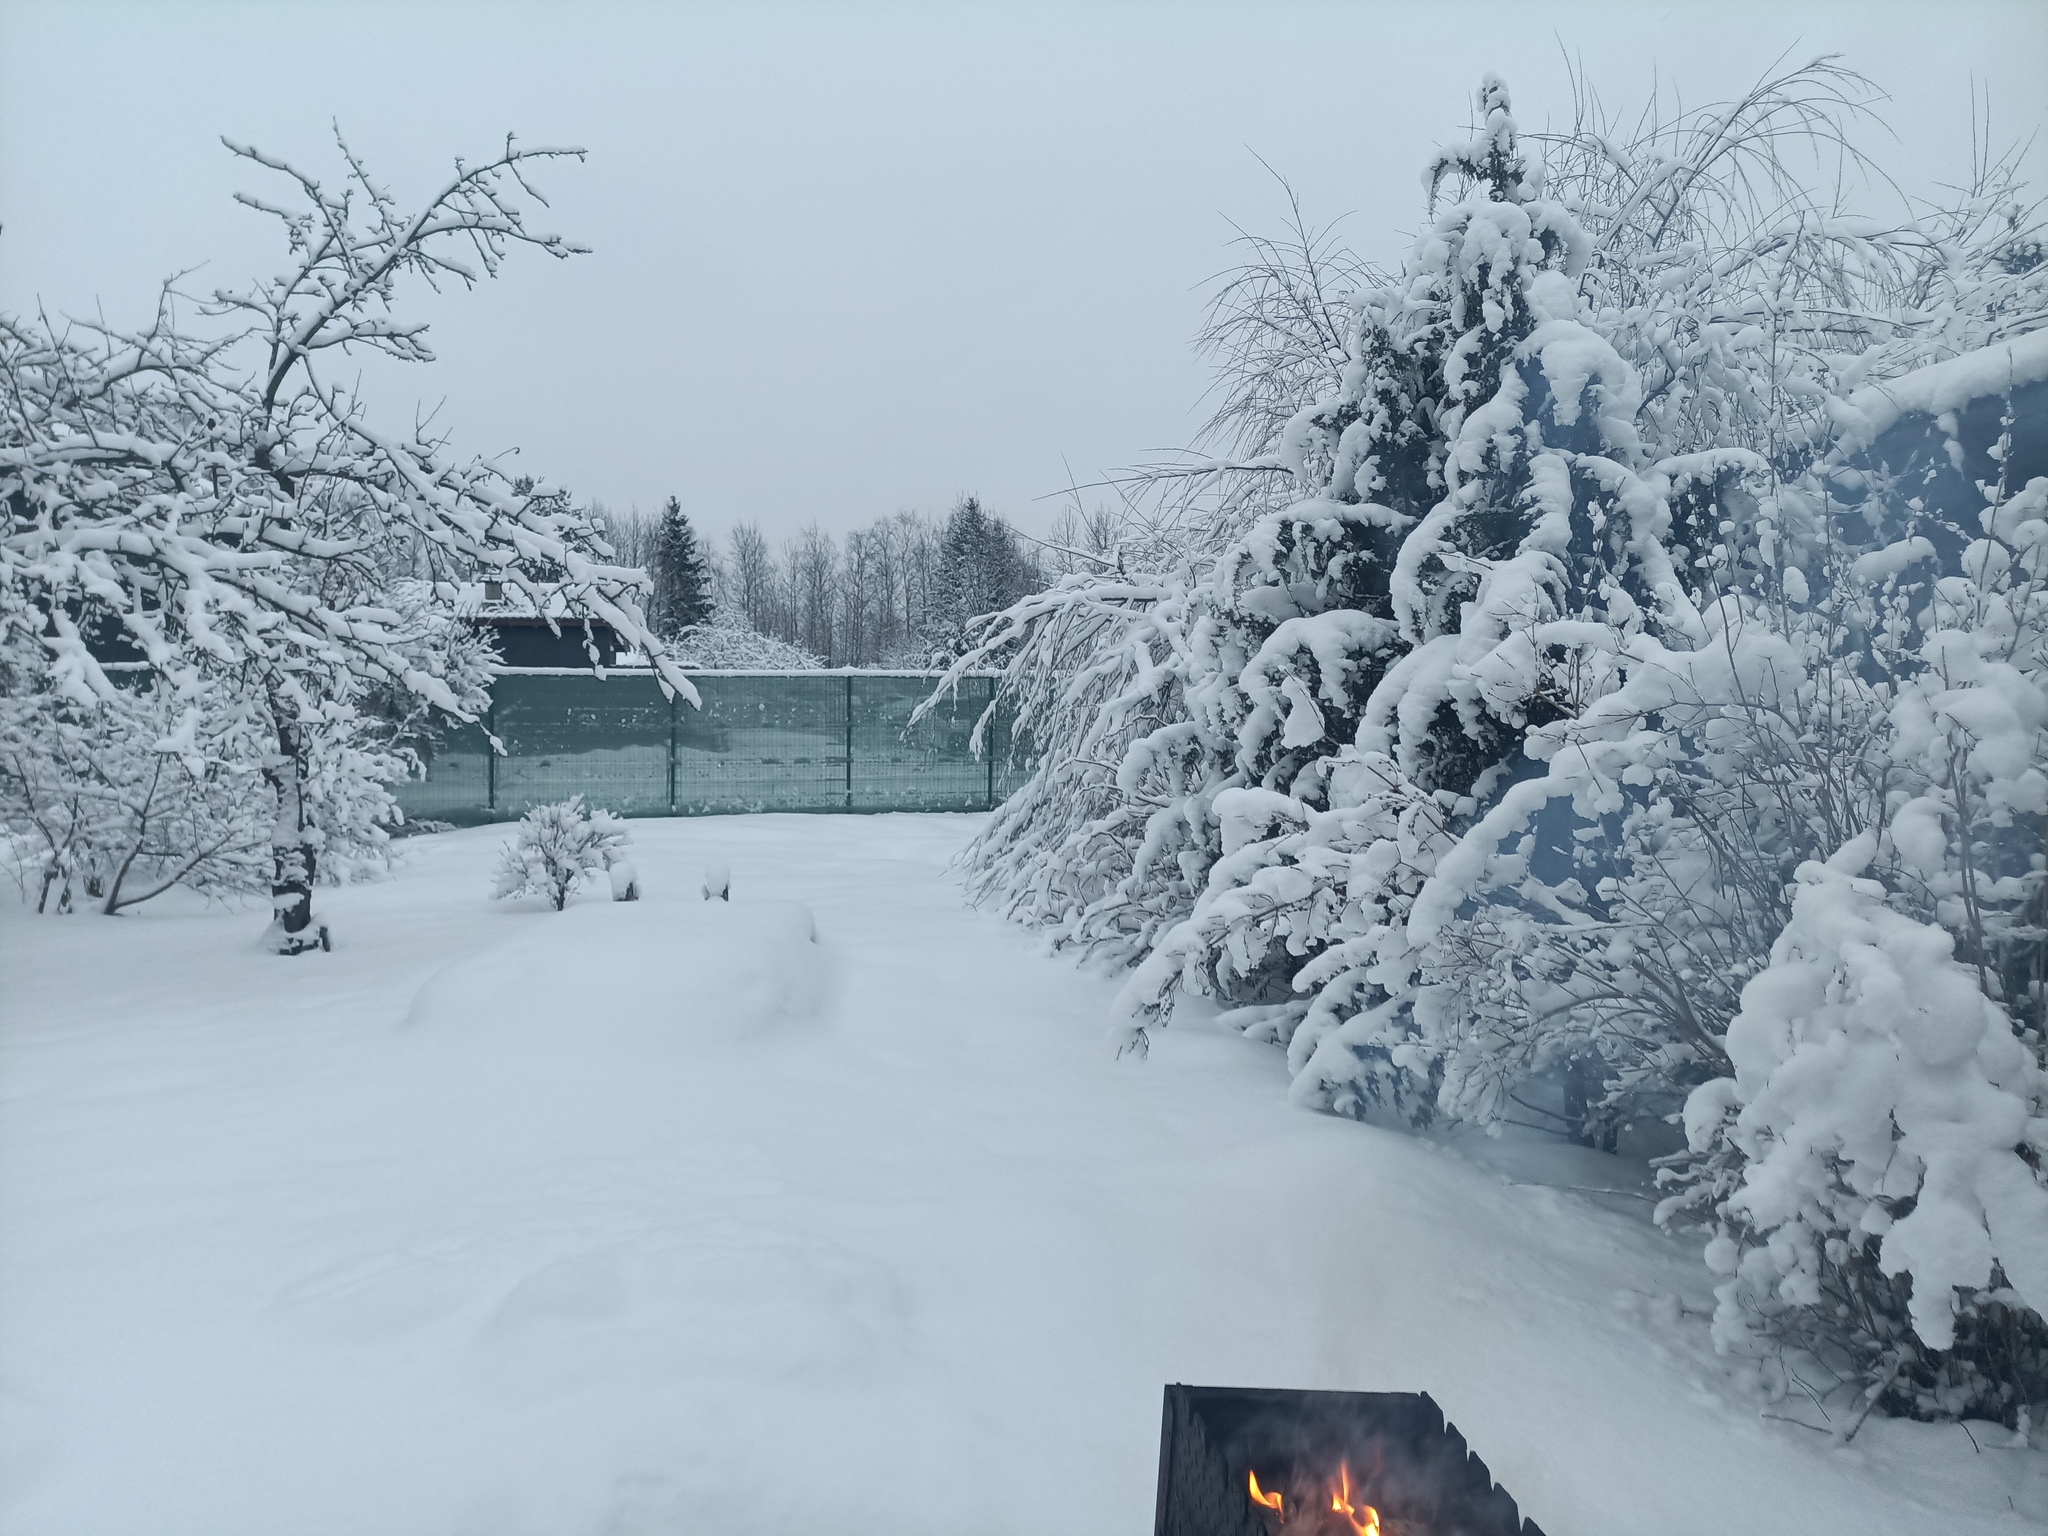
(559, 846)
(1877, 1157)
(111, 804)
(1874, 1159)
(730, 644)
(114, 803)
(1657, 533)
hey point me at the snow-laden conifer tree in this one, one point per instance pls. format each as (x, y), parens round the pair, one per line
(981, 571)
(1538, 541)
(681, 598)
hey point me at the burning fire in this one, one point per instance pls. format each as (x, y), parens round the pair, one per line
(1362, 1518)
(1270, 1500)
(1365, 1521)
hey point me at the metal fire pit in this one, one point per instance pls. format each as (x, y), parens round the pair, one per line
(1402, 1458)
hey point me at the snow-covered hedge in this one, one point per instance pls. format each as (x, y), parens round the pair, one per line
(1648, 562)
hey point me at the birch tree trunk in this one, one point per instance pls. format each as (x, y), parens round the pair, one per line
(292, 929)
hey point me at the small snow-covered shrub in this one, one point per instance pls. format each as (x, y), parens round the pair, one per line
(1876, 1157)
(109, 804)
(559, 847)
(421, 826)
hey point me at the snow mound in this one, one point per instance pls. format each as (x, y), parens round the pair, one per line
(640, 977)
(856, 1235)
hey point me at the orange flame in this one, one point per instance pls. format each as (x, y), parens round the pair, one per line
(1270, 1500)
(1366, 1521)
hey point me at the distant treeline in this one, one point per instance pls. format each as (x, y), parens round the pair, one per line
(899, 592)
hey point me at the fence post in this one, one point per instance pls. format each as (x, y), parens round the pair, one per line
(673, 702)
(491, 756)
(849, 741)
(989, 750)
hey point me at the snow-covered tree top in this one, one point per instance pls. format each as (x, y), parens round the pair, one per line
(230, 505)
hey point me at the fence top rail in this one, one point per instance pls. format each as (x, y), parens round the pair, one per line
(610, 672)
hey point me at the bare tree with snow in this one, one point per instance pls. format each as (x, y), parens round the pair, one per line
(210, 488)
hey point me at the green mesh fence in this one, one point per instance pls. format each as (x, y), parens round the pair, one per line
(763, 741)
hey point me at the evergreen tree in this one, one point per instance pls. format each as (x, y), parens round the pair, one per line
(682, 577)
(981, 571)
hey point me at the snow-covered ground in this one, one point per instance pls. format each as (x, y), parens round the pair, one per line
(668, 1218)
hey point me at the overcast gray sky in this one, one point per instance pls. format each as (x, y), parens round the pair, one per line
(860, 257)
